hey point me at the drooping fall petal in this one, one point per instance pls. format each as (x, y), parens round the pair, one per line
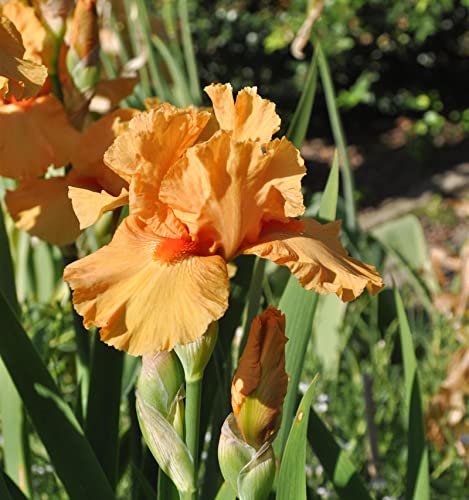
(34, 136)
(250, 118)
(42, 207)
(314, 254)
(89, 206)
(222, 189)
(19, 78)
(146, 294)
(260, 382)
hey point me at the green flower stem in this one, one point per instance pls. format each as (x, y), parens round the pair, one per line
(192, 419)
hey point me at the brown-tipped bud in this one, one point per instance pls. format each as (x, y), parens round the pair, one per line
(260, 382)
(54, 14)
(83, 54)
(84, 39)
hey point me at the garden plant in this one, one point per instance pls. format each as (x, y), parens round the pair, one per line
(181, 316)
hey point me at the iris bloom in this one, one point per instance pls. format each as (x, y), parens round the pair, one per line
(42, 207)
(193, 207)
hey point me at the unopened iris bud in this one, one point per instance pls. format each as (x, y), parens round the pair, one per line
(249, 472)
(83, 54)
(260, 382)
(195, 356)
(161, 383)
(160, 412)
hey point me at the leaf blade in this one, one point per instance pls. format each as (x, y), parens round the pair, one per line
(291, 479)
(418, 480)
(79, 471)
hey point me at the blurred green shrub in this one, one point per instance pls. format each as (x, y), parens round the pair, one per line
(388, 57)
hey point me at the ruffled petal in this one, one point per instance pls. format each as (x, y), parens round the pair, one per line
(88, 155)
(34, 136)
(141, 302)
(221, 96)
(154, 140)
(89, 206)
(250, 118)
(42, 207)
(280, 192)
(314, 254)
(223, 189)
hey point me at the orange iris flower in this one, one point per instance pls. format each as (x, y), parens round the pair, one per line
(193, 207)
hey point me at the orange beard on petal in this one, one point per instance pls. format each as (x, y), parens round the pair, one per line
(172, 250)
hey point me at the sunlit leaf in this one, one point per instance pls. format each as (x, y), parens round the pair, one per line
(292, 478)
(418, 481)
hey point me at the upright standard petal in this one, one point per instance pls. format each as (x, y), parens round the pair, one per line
(34, 136)
(250, 118)
(223, 189)
(154, 140)
(314, 254)
(41, 207)
(142, 154)
(146, 293)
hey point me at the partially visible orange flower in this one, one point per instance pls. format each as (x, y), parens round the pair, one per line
(193, 207)
(19, 78)
(42, 206)
(260, 382)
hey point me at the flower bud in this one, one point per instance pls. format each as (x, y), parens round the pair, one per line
(195, 356)
(83, 54)
(160, 412)
(249, 472)
(161, 382)
(260, 382)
